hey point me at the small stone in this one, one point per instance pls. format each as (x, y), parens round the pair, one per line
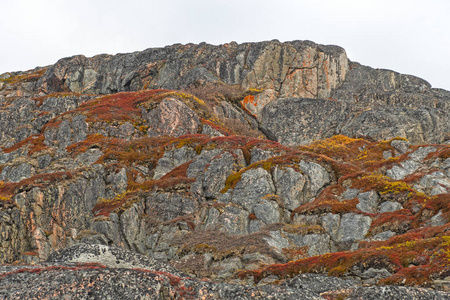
(388, 206)
(368, 202)
(383, 236)
(401, 146)
(350, 194)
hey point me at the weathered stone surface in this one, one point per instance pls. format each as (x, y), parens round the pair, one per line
(368, 202)
(401, 146)
(70, 131)
(267, 211)
(17, 173)
(350, 194)
(172, 117)
(390, 206)
(260, 154)
(289, 185)
(318, 244)
(418, 126)
(254, 185)
(86, 158)
(218, 170)
(172, 159)
(318, 176)
(421, 153)
(348, 228)
(298, 68)
(294, 121)
(167, 206)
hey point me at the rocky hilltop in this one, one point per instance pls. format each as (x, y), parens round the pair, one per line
(262, 170)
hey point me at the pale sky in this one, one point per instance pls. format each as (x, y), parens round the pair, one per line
(410, 37)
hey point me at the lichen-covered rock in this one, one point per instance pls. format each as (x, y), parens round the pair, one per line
(347, 228)
(418, 126)
(254, 185)
(290, 187)
(172, 159)
(293, 121)
(368, 202)
(172, 117)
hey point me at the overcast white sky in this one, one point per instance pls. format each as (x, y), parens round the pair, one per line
(411, 36)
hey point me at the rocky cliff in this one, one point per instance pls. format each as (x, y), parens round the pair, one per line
(269, 170)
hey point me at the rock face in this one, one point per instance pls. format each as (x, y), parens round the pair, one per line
(259, 170)
(92, 271)
(294, 69)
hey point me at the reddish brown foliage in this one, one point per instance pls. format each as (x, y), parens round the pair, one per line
(35, 143)
(39, 180)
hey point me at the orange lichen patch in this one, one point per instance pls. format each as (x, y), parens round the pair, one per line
(35, 143)
(246, 102)
(8, 189)
(430, 255)
(250, 99)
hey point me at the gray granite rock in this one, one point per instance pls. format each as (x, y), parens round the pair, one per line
(388, 206)
(172, 117)
(347, 228)
(318, 176)
(172, 159)
(289, 185)
(382, 236)
(267, 211)
(253, 186)
(260, 154)
(368, 202)
(402, 146)
(350, 194)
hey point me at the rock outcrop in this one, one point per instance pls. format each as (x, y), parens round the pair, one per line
(263, 170)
